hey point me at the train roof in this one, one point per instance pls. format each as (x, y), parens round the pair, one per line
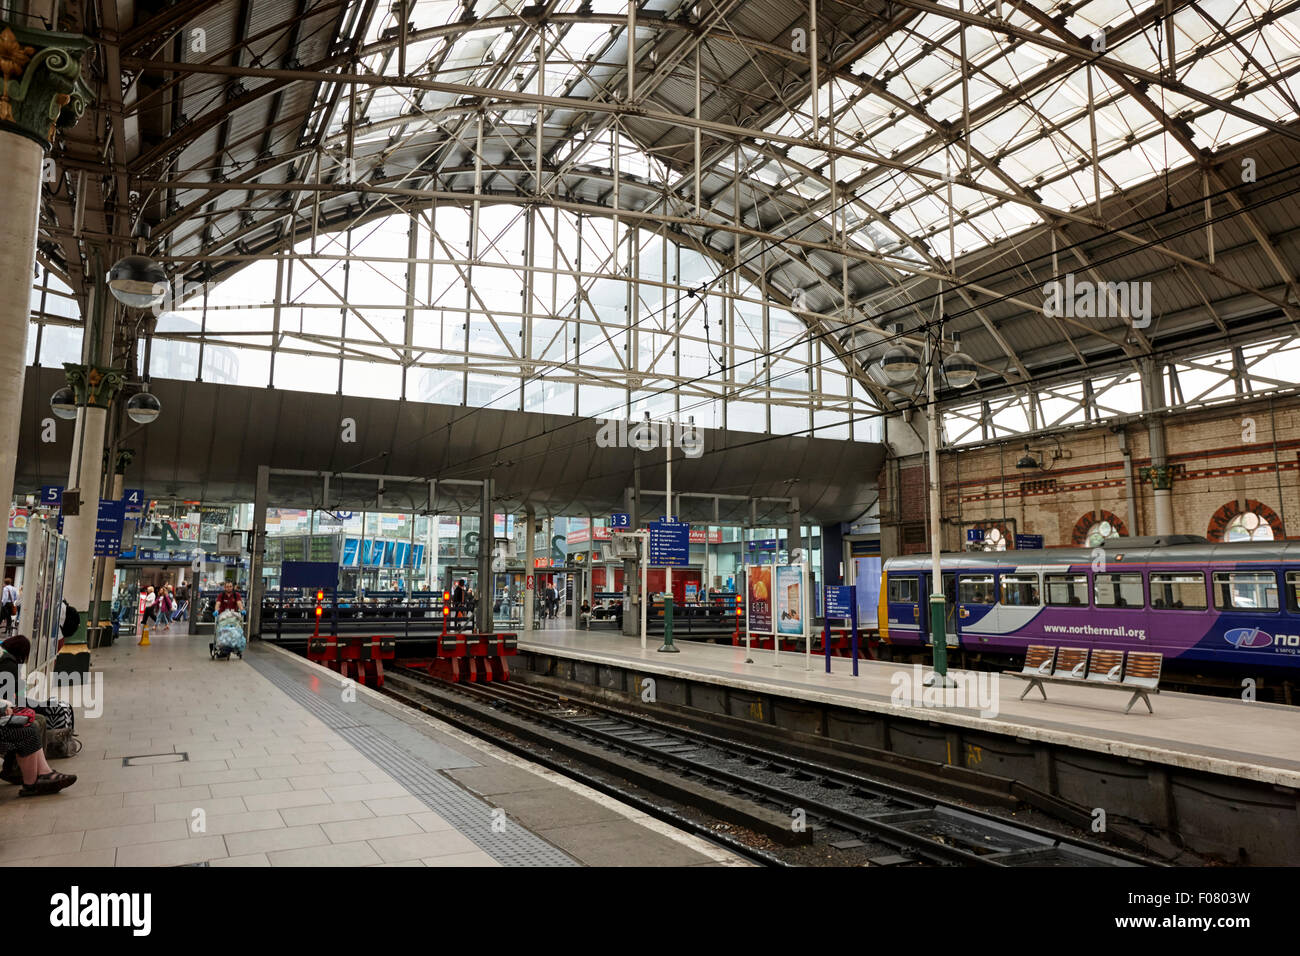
(1138, 551)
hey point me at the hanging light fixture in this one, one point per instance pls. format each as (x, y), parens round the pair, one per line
(137, 282)
(959, 368)
(1027, 460)
(899, 362)
(64, 404)
(142, 408)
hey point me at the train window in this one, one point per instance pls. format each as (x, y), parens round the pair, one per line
(1245, 590)
(1020, 590)
(1067, 589)
(1118, 590)
(975, 589)
(1293, 590)
(1183, 591)
(903, 590)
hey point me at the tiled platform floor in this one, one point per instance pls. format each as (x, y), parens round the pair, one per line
(1223, 735)
(266, 781)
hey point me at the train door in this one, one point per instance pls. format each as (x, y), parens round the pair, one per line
(976, 597)
(952, 622)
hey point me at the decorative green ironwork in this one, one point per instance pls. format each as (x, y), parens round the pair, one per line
(41, 88)
(94, 385)
(1160, 476)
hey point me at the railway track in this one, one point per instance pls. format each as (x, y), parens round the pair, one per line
(786, 801)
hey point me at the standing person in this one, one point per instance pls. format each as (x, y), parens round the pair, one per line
(150, 607)
(8, 605)
(165, 609)
(458, 602)
(228, 599)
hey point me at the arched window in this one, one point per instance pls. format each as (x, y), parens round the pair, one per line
(995, 537)
(1247, 520)
(1248, 527)
(1097, 527)
(1100, 532)
(995, 540)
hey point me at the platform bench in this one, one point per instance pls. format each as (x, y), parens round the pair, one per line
(1136, 671)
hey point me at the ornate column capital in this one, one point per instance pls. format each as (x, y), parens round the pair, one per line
(40, 81)
(94, 385)
(1160, 476)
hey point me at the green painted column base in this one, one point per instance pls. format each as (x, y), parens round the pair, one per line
(938, 634)
(669, 647)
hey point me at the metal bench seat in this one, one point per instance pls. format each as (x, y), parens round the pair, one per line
(1136, 671)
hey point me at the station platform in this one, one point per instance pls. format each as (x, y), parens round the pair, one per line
(267, 761)
(1227, 737)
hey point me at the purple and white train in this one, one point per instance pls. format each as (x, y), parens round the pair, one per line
(1235, 607)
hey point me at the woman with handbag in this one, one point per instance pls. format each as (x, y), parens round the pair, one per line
(22, 731)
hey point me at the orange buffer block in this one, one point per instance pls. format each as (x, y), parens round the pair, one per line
(472, 658)
(359, 657)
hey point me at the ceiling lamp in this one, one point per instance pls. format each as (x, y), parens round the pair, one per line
(959, 368)
(64, 404)
(142, 408)
(137, 281)
(899, 361)
(1027, 460)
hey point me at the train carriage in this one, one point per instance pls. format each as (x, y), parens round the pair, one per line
(1236, 605)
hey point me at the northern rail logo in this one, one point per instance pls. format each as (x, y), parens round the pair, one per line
(1240, 637)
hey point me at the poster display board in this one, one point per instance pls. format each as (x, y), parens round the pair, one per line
(33, 609)
(759, 588)
(789, 595)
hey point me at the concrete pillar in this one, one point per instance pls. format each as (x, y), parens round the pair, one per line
(256, 547)
(34, 94)
(486, 585)
(796, 529)
(631, 569)
(84, 474)
(1160, 473)
(21, 160)
(530, 572)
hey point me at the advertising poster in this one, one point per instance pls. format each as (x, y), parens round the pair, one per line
(760, 599)
(33, 609)
(789, 599)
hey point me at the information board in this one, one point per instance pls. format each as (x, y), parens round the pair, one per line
(1029, 542)
(670, 544)
(108, 528)
(840, 600)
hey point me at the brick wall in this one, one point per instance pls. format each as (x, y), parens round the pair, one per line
(1225, 461)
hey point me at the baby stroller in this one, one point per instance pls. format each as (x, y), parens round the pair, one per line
(229, 637)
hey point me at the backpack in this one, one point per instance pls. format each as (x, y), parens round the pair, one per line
(60, 739)
(71, 620)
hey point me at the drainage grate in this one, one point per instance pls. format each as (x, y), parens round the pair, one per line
(379, 737)
(142, 760)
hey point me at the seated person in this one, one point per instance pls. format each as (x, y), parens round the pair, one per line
(584, 613)
(30, 767)
(33, 770)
